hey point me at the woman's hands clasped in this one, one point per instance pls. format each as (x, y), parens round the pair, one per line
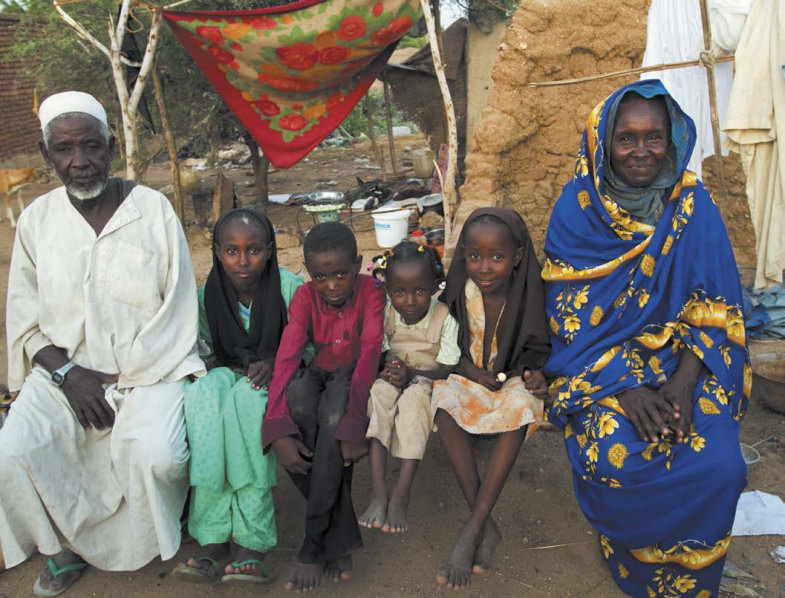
(668, 410)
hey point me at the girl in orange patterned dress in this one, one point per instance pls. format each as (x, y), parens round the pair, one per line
(495, 292)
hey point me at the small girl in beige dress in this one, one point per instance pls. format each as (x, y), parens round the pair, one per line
(495, 293)
(420, 345)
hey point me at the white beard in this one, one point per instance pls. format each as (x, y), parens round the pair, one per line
(89, 193)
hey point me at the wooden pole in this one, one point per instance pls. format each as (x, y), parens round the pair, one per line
(635, 71)
(388, 114)
(179, 204)
(715, 119)
(449, 196)
(377, 151)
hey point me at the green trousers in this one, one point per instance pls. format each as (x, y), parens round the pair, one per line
(231, 498)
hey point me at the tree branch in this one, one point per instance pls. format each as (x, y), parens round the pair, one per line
(80, 30)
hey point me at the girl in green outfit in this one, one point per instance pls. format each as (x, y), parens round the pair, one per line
(242, 312)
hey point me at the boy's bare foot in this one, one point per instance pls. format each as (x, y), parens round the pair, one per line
(396, 515)
(483, 558)
(339, 569)
(305, 577)
(456, 572)
(376, 512)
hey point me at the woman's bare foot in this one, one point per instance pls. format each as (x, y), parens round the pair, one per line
(339, 569)
(305, 577)
(376, 512)
(396, 522)
(456, 572)
(483, 558)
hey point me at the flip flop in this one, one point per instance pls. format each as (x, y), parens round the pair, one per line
(264, 577)
(41, 592)
(186, 572)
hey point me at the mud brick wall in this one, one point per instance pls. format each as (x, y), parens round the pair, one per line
(19, 128)
(523, 151)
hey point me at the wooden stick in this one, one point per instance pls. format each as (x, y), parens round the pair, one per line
(635, 71)
(377, 153)
(179, 205)
(715, 119)
(449, 196)
(388, 114)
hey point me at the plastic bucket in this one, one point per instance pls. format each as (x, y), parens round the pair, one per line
(391, 225)
(422, 160)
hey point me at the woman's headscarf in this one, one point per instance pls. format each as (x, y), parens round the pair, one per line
(621, 294)
(232, 345)
(645, 204)
(522, 333)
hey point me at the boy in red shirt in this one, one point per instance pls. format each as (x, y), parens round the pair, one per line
(316, 423)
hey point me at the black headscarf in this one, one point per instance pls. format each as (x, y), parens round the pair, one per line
(232, 345)
(522, 338)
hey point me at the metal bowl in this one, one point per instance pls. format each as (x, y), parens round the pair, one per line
(768, 373)
(325, 197)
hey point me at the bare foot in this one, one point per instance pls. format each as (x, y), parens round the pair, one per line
(340, 569)
(305, 577)
(483, 558)
(396, 515)
(375, 513)
(456, 572)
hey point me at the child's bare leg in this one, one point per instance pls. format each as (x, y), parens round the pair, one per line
(399, 499)
(479, 536)
(457, 569)
(376, 513)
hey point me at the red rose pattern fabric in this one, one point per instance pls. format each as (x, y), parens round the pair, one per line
(292, 73)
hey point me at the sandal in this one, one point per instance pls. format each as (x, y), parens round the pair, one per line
(263, 577)
(40, 592)
(186, 572)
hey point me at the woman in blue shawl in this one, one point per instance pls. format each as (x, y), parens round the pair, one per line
(649, 355)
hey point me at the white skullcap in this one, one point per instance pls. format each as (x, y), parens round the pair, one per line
(70, 101)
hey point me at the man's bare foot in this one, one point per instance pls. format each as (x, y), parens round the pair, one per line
(376, 512)
(339, 569)
(456, 572)
(396, 515)
(305, 577)
(483, 558)
(70, 567)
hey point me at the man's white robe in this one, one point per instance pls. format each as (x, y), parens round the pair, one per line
(122, 303)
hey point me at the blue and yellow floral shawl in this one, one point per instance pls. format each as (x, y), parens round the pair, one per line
(623, 299)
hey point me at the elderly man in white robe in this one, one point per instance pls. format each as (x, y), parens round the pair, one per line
(102, 328)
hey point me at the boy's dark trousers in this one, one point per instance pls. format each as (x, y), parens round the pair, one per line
(317, 402)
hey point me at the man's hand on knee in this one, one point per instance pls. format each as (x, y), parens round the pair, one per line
(292, 454)
(85, 393)
(352, 452)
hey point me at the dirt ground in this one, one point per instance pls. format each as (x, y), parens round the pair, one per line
(548, 549)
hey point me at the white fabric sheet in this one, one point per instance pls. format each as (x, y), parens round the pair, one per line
(755, 125)
(675, 34)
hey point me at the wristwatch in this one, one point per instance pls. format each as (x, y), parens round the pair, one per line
(58, 376)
